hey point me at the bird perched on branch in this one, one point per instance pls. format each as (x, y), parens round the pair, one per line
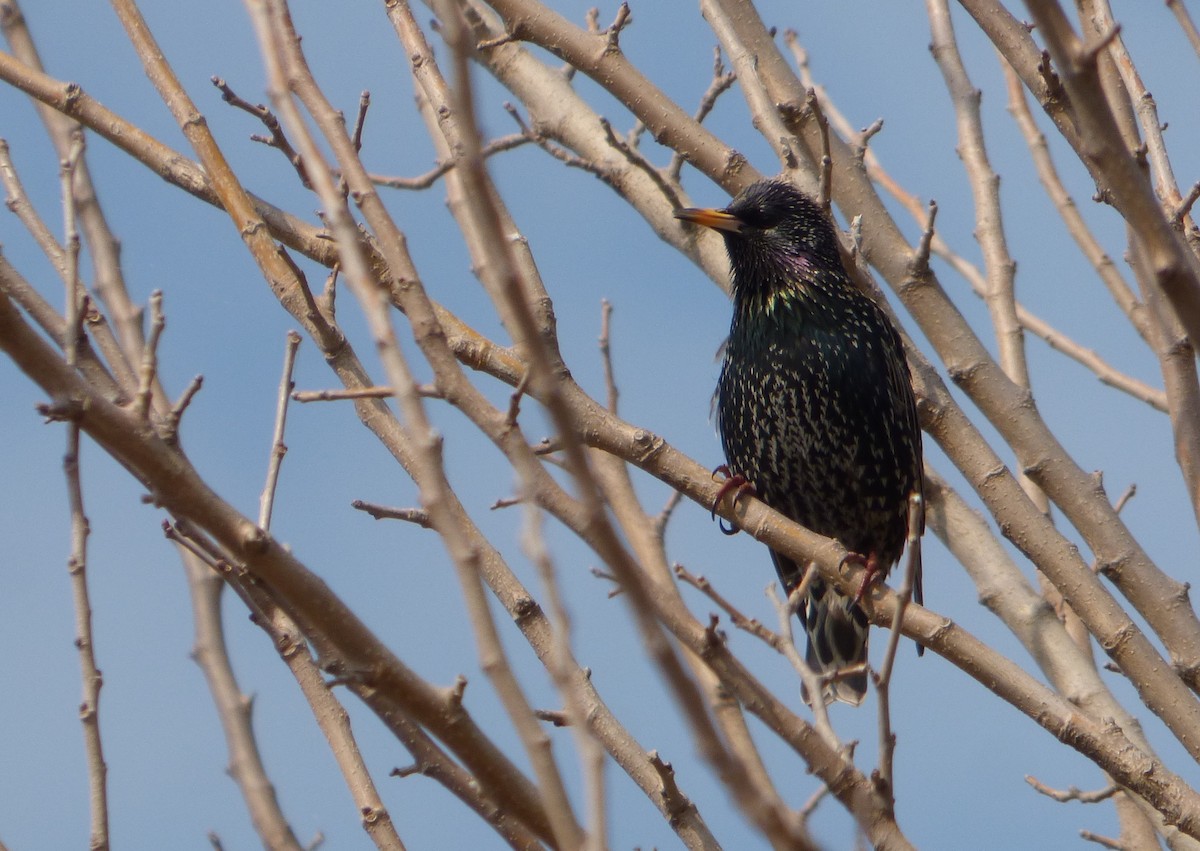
(815, 408)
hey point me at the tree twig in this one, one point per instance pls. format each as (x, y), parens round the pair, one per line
(883, 680)
(278, 448)
(148, 368)
(1073, 793)
(382, 512)
(89, 708)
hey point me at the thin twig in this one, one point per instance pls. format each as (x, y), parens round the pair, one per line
(334, 395)
(514, 401)
(103, 247)
(562, 662)
(825, 183)
(289, 643)
(610, 381)
(883, 680)
(781, 642)
(148, 369)
(1068, 210)
(638, 161)
(426, 180)
(277, 139)
(383, 512)
(810, 806)
(1185, 205)
(664, 516)
(1104, 841)
(1186, 23)
(612, 33)
(334, 722)
(1123, 499)
(328, 297)
(17, 200)
(919, 264)
(1135, 100)
(364, 103)
(1053, 337)
(278, 447)
(766, 115)
(721, 82)
(205, 567)
(89, 709)
(1078, 229)
(752, 626)
(1073, 793)
(814, 684)
(999, 266)
(564, 156)
(120, 385)
(76, 296)
(175, 415)
(553, 716)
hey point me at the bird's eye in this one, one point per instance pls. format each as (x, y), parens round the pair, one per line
(757, 217)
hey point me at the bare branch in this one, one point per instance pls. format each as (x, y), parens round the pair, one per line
(277, 139)
(89, 708)
(105, 381)
(278, 447)
(424, 181)
(171, 423)
(610, 381)
(1185, 23)
(18, 202)
(204, 567)
(722, 81)
(1102, 148)
(985, 187)
(1104, 841)
(826, 164)
(364, 103)
(382, 512)
(1072, 793)
(148, 368)
(75, 296)
(883, 680)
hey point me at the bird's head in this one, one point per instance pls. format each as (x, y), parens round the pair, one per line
(777, 237)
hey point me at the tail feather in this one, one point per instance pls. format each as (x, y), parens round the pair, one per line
(837, 634)
(837, 639)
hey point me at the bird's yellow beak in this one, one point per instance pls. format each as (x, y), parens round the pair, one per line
(711, 218)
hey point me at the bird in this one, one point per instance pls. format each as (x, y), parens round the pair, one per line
(815, 409)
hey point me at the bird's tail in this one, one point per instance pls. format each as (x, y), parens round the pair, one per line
(837, 639)
(837, 635)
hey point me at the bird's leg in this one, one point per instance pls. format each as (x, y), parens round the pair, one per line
(735, 482)
(871, 563)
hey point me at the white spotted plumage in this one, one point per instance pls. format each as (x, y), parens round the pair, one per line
(815, 406)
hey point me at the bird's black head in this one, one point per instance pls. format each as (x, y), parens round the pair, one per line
(776, 235)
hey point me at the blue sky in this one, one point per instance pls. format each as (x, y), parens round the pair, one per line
(961, 757)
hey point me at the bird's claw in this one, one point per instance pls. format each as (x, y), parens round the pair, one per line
(739, 485)
(871, 563)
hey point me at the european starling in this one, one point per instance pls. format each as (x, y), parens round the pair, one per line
(815, 406)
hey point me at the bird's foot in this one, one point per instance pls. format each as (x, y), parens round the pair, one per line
(871, 563)
(736, 483)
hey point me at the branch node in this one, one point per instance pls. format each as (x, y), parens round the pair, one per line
(1089, 54)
